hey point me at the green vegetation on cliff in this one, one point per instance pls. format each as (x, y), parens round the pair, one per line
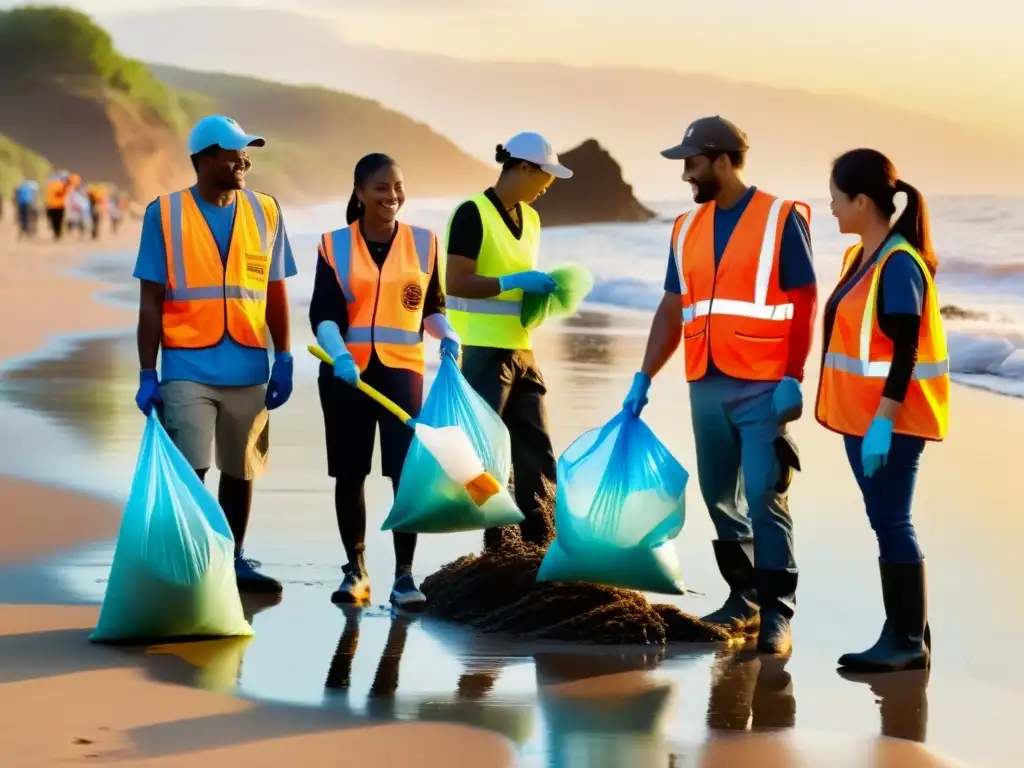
(50, 42)
(18, 164)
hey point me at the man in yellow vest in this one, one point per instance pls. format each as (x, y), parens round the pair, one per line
(493, 241)
(212, 262)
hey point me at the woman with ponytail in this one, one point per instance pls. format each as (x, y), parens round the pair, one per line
(885, 383)
(376, 291)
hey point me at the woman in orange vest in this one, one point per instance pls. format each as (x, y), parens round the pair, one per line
(885, 384)
(376, 290)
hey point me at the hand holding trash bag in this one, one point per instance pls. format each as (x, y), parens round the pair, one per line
(148, 394)
(619, 504)
(637, 397)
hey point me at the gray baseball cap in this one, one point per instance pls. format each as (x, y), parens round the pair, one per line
(708, 134)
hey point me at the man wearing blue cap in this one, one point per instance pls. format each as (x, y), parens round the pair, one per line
(212, 264)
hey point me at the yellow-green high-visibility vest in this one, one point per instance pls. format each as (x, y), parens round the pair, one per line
(496, 322)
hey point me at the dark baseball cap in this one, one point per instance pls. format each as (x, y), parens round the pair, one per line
(708, 134)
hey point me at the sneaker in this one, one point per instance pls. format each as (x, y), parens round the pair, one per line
(251, 580)
(405, 593)
(354, 588)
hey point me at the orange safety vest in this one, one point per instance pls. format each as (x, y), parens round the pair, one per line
(737, 314)
(385, 306)
(56, 193)
(206, 298)
(857, 361)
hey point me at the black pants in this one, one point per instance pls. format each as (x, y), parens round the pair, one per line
(24, 220)
(56, 217)
(512, 384)
(351, 420)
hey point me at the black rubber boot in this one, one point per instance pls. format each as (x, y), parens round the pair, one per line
(905, 641)
(776, 592)
(739, 613)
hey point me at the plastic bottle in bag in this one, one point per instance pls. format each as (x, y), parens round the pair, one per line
(619, 504)
(433, 500)
(173, 573)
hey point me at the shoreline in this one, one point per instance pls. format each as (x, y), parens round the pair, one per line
(174, 713)
(109, 700)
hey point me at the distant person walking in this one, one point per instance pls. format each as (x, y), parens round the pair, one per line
(25, 203)
(740, 293)
(97, 207)
(56, 203)
(376, 291)
(885, 384)
(212, 264)
(493, 245)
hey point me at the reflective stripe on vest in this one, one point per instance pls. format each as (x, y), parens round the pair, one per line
(749, 336)
(496, 322)
(204, 297)
(390, 320)
(859, 358)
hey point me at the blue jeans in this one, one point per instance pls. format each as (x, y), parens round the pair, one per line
(738, 468)
(888, 496)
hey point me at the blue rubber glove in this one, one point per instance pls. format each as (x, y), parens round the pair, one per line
(345, 368)
(637, 397)
(528, 282)
(451, 347)
(149, 391)
(874, 449)
(328, 336)
(279, 389)
(788, 400)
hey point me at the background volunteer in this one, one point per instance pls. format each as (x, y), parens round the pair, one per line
(737, 414)
(886, 400)
(493, 244)
(25, 202)
(220, 390)
(376, 289)
(57, 188)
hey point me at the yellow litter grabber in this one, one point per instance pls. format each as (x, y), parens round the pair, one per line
(449, 446)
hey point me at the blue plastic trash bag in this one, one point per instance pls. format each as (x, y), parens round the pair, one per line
(173, 573)
(620, 502)
(429, 500)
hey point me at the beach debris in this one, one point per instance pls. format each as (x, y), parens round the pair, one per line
(497, 592)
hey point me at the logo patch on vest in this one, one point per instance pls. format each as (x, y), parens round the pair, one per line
(255, 269)
(412, 296)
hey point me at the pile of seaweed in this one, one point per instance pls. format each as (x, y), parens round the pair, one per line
(497, 591)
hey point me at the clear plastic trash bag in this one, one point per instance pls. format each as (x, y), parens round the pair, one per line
(574, 282)
(431, 500)
(620, 503)
(173, 573)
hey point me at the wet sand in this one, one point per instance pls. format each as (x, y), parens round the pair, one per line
(313, 672)
(66, 702)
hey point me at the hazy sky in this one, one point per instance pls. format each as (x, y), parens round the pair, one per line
(964, 60)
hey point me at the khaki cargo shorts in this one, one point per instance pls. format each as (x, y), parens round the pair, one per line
(236, 418)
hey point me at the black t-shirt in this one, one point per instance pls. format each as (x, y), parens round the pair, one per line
(466, 232)
(328, 301)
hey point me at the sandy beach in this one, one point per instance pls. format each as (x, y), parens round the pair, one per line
(67, 702)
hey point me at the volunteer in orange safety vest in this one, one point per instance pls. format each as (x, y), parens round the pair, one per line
(376, 291)
(212, 263)
(740, 294)
(885, 384)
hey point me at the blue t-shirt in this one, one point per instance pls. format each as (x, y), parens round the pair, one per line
(26, 194)
(796, 264)
(902, 289)
(227, 364)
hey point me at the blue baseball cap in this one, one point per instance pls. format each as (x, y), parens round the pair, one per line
(223, 132)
